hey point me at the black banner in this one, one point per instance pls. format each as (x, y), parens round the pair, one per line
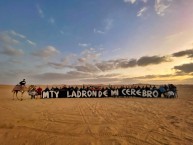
(82, 93)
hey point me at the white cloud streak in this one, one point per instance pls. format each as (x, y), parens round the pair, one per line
(12, 38)
(161, 6)
(40, 11)
(31, 42)
(130, 1)
(98, 31)
(17, 34)
(141, 11)
(83, 44)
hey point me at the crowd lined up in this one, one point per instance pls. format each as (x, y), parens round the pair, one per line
(167, 91)
(164, 90)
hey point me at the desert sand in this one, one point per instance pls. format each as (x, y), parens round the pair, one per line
(96, 121)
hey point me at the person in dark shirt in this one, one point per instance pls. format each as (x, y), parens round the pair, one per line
(46, 89)
(22, 83)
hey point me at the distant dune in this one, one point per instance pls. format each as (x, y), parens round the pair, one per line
(96, 121)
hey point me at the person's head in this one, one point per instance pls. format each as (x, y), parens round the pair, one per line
(23, 79)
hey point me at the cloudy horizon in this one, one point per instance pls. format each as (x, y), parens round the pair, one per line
(96, 42)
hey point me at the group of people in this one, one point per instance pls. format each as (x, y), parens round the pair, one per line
(32, 90)
(164, 90)
(167, 91)
(99, 88)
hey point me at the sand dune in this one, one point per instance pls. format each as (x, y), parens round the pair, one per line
(96, 121)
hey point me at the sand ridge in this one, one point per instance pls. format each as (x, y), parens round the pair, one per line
(96, 121)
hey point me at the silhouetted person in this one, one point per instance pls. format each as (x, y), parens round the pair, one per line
(22, 83)
(47, 89)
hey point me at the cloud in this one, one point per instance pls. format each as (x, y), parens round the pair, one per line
(13, 33)
(8, 44)
(141, 11)
(68, 62)
(106, 65)
(61, 32)
(83, 63)
(89, 55)
(63, 76)
(57, 65)
(129, 1)
(46, 52)
(161, 6)
(87, 68)
(101, 80)
(145, 1)
(98, 31)
(133, 1)
(150, 60)
(114, 64)
(162, 78)
(31, 42)
(51, 20)
(6, 39)
(112, 75)
(89, 61)
(40, 11)
(12, 38)
(83, 44)
(154, 76)
(17, 34)
(15, 61)
(125, 63)
(188, 53)
(11, 51)
(116, 49)
(108, 24)
(185, 68)
(82, 60)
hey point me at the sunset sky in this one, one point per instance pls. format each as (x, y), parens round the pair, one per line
(96, 41)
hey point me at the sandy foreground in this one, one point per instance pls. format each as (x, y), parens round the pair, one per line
(96, 121)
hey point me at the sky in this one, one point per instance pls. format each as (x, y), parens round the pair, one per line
(96, 41)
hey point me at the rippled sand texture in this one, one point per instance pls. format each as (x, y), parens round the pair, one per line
(96, 121)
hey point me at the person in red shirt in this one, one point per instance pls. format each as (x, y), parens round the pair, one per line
(39, 91)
